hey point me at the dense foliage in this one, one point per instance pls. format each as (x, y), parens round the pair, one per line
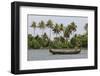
(43, 41)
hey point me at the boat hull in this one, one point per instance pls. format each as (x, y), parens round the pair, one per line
(64, 51)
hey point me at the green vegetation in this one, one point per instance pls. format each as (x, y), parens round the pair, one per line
(33, 26)
(62, 39)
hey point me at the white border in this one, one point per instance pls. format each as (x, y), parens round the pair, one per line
(24, 64)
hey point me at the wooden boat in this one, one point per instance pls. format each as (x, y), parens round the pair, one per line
(64, 51)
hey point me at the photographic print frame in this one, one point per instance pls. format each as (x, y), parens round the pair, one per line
(16, 29)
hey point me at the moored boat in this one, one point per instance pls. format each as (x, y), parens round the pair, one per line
(64, 51)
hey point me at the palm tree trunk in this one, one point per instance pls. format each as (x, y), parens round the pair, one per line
(42, 31)
(50, 33)
(63, 33)
(34, 31)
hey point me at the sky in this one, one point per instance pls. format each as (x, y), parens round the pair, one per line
(65, 20)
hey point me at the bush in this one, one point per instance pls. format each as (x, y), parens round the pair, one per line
(29, 44)
(30, 38)
(58, 42)
(44, 43)
(35, 44)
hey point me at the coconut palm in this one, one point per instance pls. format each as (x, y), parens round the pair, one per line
(42, 26)
(56, 29)
(86, 26)
(33, 26)
(69, 29)
(50, 25)
(67, 32)
(73, 26)
(61, 28)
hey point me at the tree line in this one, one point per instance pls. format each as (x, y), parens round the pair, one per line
(61, 41)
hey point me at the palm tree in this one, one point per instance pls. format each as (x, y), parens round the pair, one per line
(67, 32)
(86, 28)
(62, 28)
(33, 26)
(42, 26)
(69, 29)
(73, 26)
(50, 25)
(56, 29)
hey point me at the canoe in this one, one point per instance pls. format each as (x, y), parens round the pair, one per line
(64, 51)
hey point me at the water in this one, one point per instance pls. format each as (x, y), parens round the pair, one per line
(44, 54)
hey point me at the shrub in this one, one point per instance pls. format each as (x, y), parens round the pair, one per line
(35, 44)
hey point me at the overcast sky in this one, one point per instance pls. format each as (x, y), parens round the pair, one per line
(79, 21)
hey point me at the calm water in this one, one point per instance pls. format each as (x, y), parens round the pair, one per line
(44, 54)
